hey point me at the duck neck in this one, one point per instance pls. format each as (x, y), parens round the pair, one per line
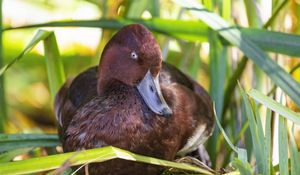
(104, 79)
(103, 84)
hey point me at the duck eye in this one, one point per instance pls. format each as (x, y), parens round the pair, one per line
(134, 55)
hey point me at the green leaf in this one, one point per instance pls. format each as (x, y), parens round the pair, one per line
(294, 155)
(261, 137)
(276, 10)
(244, 168)
(257, 145)
(274, 106)
(253, 15)
(155, 8)
(40, 164)
(189, 30)
(39, 36)
(55, 70)
(277, 42)
(232, 82)
(16, 141)
(66, 171)
(242, 155)
(233, 35)
(3, 106)
(136, 8)
(217, 70)
(218, 58)
(242, 131)
(9, 155)
(54, 64)
(283, 147)
(224, 133)
(226, 9)
(268, 143)
(196, 62)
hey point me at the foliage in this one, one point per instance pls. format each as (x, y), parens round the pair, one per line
(84, 157)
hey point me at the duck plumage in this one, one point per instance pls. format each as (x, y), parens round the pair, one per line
(91, 115)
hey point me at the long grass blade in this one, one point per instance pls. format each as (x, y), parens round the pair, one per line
(217, 77)
(268, 143)
(253, 13)
(283, 146)
(226, 9)
(232, 82)
(242, 132)
(277, 74)
(35, 165)
(136, 8)
(39, 36)
(224, 133)
(217, 67)
(295, 158)
(155, 8)
(244, 168)
(254, 131)
(56, 74)
(276, 11)
(261, 137)
(236, 140)
(15, 141)
(3, 112)
(274, 41)
(274, 106)
(242, 153)
(189, 30)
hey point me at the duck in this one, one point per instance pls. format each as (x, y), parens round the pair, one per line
(134, 101)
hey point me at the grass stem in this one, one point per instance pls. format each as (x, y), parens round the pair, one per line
(3, 113)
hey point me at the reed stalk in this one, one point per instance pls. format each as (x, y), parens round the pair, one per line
(3, 112)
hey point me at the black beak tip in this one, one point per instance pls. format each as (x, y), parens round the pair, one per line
(167, 112)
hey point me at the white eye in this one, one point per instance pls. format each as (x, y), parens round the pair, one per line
(134, 55)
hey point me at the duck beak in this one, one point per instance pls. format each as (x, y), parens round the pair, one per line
(149, 89)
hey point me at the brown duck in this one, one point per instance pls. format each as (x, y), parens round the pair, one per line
(133, 101)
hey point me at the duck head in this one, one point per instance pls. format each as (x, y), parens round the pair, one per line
(133, 57)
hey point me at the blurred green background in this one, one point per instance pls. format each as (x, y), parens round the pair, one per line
(27, 92)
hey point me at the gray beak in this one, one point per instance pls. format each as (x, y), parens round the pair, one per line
(149, 89)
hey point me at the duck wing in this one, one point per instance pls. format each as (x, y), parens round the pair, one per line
(170, 74)
(73, 94)
(197, 107)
